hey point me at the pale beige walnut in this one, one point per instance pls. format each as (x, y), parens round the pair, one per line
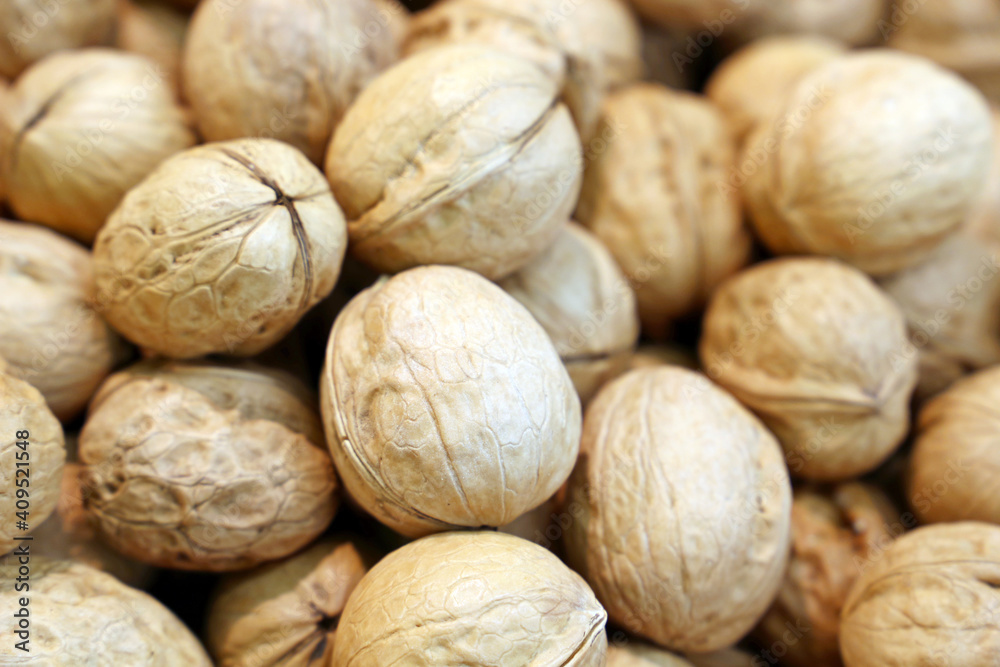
(832, 531)
(82, 616)
(206, 467)
(635, 654)
(932, 598)
(750, 85)
(660, 354)
(51, 329)
(679, 548)
(727, 657)
(587, 48)
(458, 155)
(32, 29)
(653, 197)
(583, 301)
(957, 453)
(154, 30)
(821, 355)
(484, 599)
(847, 174)
(445, 403)
(222, 249)
(394, 16)
(286, 613)
(32, 453)
(282, 69)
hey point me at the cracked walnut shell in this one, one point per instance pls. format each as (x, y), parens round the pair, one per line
(206, 467)
(446, 404)
(33, 29)
(222, 249)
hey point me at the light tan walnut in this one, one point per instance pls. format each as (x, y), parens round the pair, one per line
(583, 301)
(653, 198)
(635, 654)
(206, 467)
(678, 548)
(222, 249)
(82, 616)
(821, 355)
(458, 155)
(156, 31)
(446, 404)
(471, 598)
(33, 29)
(932, 598)
(395, 17)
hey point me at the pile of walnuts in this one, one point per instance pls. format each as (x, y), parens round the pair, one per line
(500, 333)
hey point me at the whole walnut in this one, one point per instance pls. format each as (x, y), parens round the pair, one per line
(222, 249)
(199, 466)
(79, 129)
(953, 464)
(832, 531)
(156, 31)
(930, 599)
(446, 404)
(281, 69)
(635, 654)
(51, 332)
(286, 613)
(458, 155)
(678, 548)
(583, 301)
(846, 174)
(820, 354)
(82, 616)
(653, 198)
(471, 598)
(33, 29)
(32, 452)
(588, 48)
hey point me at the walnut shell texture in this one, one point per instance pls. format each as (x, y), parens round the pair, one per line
(33, 29)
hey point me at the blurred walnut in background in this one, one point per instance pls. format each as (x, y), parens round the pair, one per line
(32, 29)
(155, 30)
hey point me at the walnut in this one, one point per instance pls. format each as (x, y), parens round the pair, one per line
(51, 334)
(156, 31)
(33, 29)
(932, 598)
(820, 354)
(678, 548)
(653, 198)
(394, 16)
(222, 249)
(82, 616)
(634, 654)
(32, 452)
(471, 598)
(286, 613)
(458, 155)
(885, 198)
(580, 297)
(206, 467)
(446, 404)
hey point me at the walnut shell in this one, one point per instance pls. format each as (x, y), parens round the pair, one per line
(222, 249)
(845, 174)
(634, 654)
(583, 301)
(932, 598)
(652, 198)
(819, 353)
(206, 467)
(286, 613)
(156, 31)
(30, 474)
(34, 29)
(679, 549)
(50, 332)
(457, 155)
(396, 17)
(81, 616)
(282, 69)
(82, 127)
(446, 404)
(479, 598)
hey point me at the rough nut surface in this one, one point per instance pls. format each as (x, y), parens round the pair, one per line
(33, 29)
(81, 616)
(206, 467)
(79, 129)
(821, 355)
(446, 404)
(222, 249)
(458, 155)
(480, 599)
(679, 549)
(634, 654)
(156, 31)
(932, 598)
